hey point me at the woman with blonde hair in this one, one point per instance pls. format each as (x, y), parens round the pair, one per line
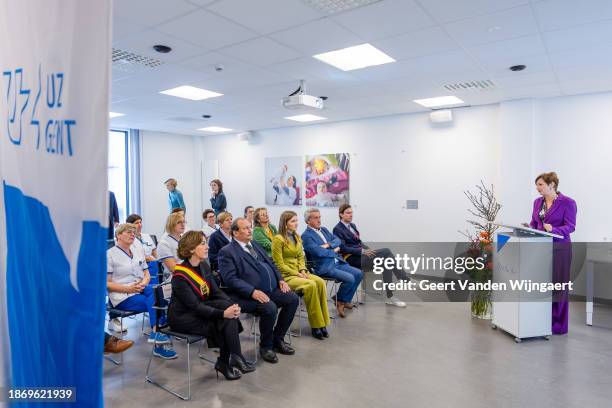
(219, 238)
(264, 230)
(168, 244)
(288, 255)
(175, 197)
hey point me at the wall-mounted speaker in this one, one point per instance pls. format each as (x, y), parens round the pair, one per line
(441, 116)
(245, 137)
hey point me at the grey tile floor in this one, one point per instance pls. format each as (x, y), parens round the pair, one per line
(426, 355)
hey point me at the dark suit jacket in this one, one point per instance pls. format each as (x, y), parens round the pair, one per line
(351, 243)
(321, 259)
(113, 214)
(242, 274)
(216, 241)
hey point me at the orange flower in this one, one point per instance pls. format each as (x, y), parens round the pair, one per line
(485, 241)
(484, 234)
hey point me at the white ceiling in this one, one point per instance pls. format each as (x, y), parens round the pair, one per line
(266, 46)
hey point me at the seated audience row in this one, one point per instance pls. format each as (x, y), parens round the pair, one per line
(262, 271)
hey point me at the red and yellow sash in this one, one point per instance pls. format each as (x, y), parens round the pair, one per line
(199, 284)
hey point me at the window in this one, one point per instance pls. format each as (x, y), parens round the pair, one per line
(118, 169)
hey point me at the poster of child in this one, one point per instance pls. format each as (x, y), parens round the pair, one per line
(327, 180)
(282, 183)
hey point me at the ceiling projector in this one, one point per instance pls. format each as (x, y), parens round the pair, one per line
(299, 100)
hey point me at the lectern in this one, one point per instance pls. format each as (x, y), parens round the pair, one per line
(521, 255)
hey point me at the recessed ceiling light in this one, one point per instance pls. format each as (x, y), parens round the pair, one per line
(305, 118)
(439, 101)
(359, 56)
(115, 114)
(517, 68)
(162, 49)
(215, 129)
(191, 92)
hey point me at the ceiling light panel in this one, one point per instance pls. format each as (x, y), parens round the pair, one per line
(356, 57)
(191, 92)
(439, 101)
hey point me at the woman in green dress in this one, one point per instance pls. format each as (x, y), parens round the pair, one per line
(288, 255)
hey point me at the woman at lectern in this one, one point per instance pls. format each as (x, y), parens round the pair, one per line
(556, 213)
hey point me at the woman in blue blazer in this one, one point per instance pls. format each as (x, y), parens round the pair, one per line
(217, 200)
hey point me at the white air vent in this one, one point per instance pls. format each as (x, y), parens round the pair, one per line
(129, 62)
(336, 6)
(471, 86)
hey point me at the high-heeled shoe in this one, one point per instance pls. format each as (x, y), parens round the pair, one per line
(228, 372)
(240, 363)
(316, 333)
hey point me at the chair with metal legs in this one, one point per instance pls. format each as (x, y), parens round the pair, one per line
(121, 314)
(333, 285)
(189, 339)
(301, 313)
(255, 334)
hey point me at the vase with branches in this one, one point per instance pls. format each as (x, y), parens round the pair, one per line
(484, 207)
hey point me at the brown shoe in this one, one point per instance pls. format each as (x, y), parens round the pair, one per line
(349, 305)
(341, 309)
(116, 345)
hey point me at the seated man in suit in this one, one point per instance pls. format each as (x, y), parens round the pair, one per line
(360, 255)
(321, 248)
(252, 280)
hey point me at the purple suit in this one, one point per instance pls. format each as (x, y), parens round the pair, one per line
(562, 217)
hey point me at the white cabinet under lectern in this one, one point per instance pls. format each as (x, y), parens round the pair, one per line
(523, 254)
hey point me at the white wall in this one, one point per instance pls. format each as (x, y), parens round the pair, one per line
(167, 156)
(401, 157)
(575, 139)
(393, 159)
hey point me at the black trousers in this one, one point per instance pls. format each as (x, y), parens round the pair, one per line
(222, 333)
(269, 333)
(365, 263)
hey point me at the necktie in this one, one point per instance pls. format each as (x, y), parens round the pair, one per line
(252, 251)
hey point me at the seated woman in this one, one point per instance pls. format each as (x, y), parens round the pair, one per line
(199, 307)
(168, 244)
(264, 230)
(220, 238)
(128, 277)
(210, 222)
(143, 242)
(288, 255)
